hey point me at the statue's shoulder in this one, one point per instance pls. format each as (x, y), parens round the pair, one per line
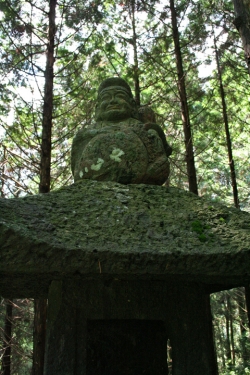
(85, 132)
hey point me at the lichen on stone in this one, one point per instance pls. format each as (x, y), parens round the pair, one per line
(98, 165)
(116, 153)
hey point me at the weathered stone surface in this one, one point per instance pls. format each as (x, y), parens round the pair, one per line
(105, 229)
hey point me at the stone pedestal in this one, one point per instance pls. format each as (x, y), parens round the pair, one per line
(126, 267)
(110, 327)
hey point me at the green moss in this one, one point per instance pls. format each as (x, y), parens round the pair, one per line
(202, 237)
(199, 228)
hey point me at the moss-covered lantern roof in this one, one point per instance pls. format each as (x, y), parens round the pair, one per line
(104, 229)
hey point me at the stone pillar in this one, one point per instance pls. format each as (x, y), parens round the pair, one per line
(190, 333)
(110, 327)
(61, 345)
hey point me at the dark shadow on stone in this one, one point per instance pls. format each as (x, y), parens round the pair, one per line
(126, 347)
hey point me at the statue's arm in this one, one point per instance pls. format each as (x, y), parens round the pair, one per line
(158, 129)
(79, 143)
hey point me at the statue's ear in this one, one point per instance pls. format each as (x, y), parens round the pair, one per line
(97, 112)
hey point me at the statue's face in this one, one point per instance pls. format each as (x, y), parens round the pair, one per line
(114, 104)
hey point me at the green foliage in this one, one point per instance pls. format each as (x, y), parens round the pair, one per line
(231, 332)
(22, 332)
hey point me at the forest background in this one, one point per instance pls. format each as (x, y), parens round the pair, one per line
(185, 60)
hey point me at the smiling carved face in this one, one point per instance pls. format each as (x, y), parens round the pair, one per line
(114, 104)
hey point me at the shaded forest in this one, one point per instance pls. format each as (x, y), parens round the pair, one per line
(187, 60)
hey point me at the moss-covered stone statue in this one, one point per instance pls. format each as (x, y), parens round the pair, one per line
(119, 146)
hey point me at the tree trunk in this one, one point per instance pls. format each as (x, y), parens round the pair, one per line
(243, 324)
(40, 310)
(136, 64)
(209, 315)
(229, 305)
(242, 310)
(228, 344)
(6, 359)
(242, 23)
(191, 171)
(221, 346)
(45, 165)
(40, 305)
(2, 179)
(247, 294)
(228, 136)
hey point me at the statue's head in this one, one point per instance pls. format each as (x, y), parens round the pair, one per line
(115, 101)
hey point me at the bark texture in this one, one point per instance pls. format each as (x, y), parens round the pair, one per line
(44, 185)
(40, 312)
(191, 171)
(242, 23)
(135, 47)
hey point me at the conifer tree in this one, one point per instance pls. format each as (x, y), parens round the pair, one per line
(242, 23)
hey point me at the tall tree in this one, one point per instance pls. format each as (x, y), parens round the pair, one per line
(227, 131)
(247, 293)
(44, 185)
(191, 170)
(6, 357)
(132, 10)
(40, 305)
(242, 23)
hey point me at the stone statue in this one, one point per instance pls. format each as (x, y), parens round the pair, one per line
(120, 146)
